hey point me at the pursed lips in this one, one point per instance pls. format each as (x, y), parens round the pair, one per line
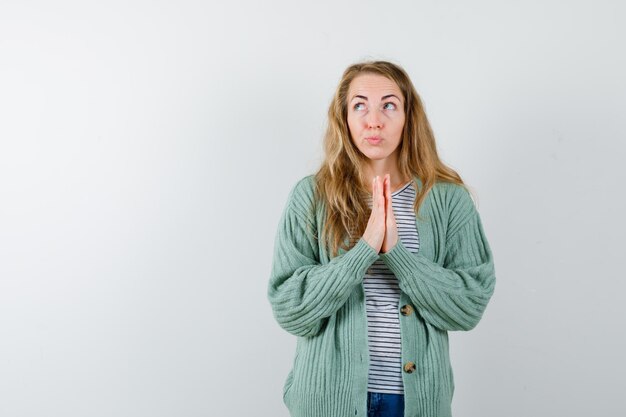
(374, 139)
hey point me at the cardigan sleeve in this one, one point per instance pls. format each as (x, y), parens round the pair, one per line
(302, 292)
(455, 295)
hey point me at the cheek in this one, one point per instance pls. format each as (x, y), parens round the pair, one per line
(400, 124)
(352, 126)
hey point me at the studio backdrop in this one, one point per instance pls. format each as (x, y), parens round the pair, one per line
(147, 149)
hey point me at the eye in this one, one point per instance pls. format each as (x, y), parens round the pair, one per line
(355, 107)
(390, 103)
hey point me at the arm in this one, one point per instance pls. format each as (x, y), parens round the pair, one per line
(302, 292)
(455, 295)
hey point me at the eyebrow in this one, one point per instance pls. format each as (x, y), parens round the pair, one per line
(382, 98)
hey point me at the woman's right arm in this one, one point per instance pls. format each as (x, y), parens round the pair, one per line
(303, 292)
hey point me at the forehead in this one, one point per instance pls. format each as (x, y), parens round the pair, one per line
(373, 84)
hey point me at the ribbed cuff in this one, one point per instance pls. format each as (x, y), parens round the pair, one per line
(360, 257)
(399, 259)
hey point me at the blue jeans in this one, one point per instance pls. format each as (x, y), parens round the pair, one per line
(380, 404)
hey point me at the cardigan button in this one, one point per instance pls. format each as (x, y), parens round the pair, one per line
(406, 309)
(409, 367)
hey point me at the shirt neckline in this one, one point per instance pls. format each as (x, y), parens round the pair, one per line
(404, 187)
(395, 193)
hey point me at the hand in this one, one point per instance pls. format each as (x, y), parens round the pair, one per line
(374, 233)
(391, 229)
(381, 232)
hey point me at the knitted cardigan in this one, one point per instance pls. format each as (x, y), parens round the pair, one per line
(321, 300)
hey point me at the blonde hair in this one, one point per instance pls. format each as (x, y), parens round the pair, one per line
(340, 184)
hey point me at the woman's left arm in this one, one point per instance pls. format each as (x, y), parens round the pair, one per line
(455, 295)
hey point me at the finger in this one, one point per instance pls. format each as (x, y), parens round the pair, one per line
(387, 188)
(375, 189)
(390, 216)
(374, 196)
(373, 193)
(388, 185)
(380, 196)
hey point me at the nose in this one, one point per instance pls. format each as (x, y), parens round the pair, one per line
(373, 120)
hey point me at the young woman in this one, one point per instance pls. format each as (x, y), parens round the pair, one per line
(377, 256)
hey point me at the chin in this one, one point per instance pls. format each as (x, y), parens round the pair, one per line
(376, 156)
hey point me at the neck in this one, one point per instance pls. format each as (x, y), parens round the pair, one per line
(382, 168)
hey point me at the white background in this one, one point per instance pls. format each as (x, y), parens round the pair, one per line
(147, 149)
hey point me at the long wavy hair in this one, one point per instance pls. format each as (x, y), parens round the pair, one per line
(340, 183)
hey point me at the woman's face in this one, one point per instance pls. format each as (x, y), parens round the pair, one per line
(375, 115)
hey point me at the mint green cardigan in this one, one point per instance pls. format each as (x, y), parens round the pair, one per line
(321, 301)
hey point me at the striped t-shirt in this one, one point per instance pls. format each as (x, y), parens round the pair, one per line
(382, 298)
